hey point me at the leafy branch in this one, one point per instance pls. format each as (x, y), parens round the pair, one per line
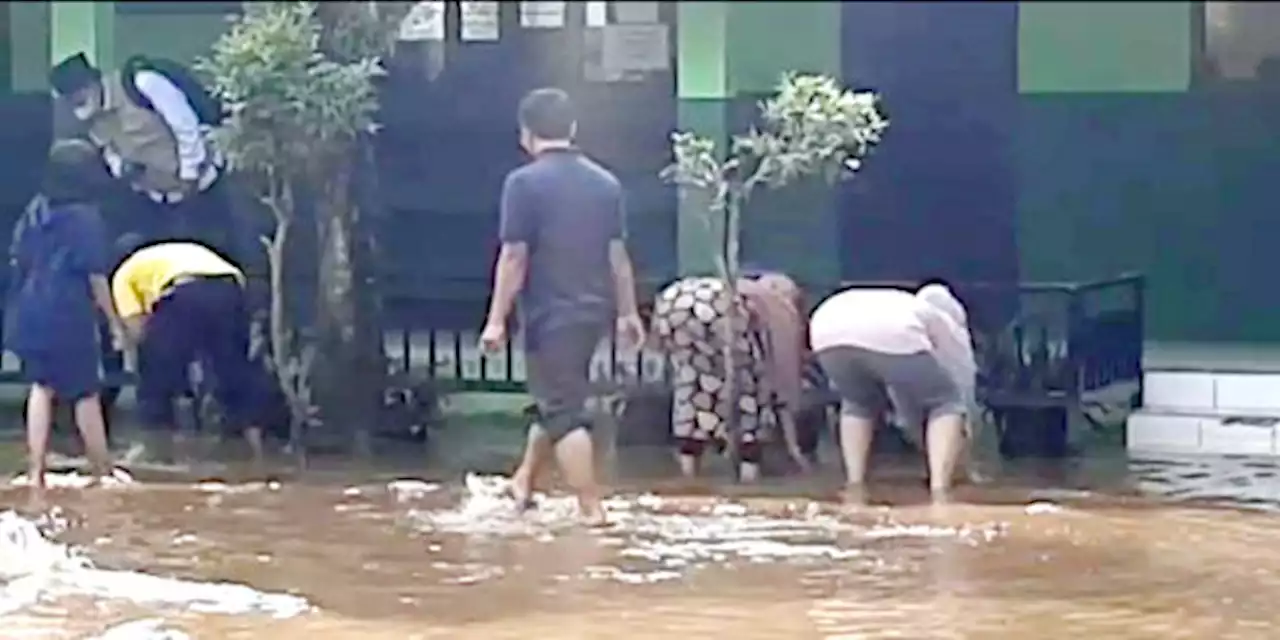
(812, 126)
(299, 98)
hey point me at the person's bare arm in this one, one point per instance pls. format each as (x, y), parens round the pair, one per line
(791, 436)
(101, 290)
(517, 226)
(508, 279)
(624, 278)
(133, 328)
(129, 308)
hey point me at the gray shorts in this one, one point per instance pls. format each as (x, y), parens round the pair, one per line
(863, 378)
(558, 361)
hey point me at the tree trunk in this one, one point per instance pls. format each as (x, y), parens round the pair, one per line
(351, 366)
(350, 372)
(733, 324)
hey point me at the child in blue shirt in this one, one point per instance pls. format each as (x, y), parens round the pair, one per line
(59, 261)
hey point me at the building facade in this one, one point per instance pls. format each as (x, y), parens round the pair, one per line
(1032, 140)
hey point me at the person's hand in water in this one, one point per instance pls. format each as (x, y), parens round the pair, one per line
(789, 434)
(801, 461)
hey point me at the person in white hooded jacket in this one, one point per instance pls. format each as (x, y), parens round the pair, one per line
(889, 349)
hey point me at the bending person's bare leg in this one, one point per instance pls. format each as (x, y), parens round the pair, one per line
(944, 442)
(689, 457)
(257, 451)
(856, 433)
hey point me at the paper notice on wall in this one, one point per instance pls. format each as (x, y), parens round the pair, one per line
(480, 21)
(597, 13)
(635, 47)
(424, 22)
(638, 12)
(541, 14)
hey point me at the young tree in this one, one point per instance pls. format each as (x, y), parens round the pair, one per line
(812, 127)
(296, 119)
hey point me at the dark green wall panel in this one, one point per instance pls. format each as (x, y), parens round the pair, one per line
(1179, 186)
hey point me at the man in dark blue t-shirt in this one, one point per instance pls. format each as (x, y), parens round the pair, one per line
(564, 254)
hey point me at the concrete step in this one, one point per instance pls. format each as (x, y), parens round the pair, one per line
(1183, 432)
(1218, 393)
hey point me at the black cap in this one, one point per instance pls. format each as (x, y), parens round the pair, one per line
(73, 74)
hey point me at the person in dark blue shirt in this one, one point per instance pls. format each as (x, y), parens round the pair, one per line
(564, 255)
(59, 264)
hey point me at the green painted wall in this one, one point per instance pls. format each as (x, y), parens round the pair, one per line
(1069, 47)
(1121, 166)
(728, 59)
(179, 37)
(43, 32)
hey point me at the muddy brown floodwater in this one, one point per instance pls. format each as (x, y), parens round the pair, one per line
(344, 557)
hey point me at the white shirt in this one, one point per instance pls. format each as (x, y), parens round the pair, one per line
(881, 320)
(196, 161)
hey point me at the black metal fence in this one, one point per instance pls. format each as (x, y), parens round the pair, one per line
(1061, 343)
(1057, 344)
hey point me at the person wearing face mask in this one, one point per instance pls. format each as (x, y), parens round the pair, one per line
(150, 120)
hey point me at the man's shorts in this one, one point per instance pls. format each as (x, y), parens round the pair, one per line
(558, 361)
(863, 379)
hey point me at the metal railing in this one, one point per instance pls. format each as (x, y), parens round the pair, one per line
(1043, 343)
(1038, 344)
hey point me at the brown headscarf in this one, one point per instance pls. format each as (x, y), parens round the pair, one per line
(775, 300)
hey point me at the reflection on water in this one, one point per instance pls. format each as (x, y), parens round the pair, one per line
(410, 558)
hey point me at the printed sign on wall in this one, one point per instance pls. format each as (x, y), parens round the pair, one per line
(635, 47)
(542, 14)
(424, 22)
(480, 21)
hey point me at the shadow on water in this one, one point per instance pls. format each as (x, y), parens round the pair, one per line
(1103, 546)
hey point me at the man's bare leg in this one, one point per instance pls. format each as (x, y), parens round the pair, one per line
(855, 448)
(93, 432)
(944, 441)
(537, 450)
(39, 423)
(576, 457)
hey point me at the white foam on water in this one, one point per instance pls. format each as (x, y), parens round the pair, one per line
(671, 542)
(1042, 508)
(487, 508)
(77, 480)
(404, 489)
(216, 486)
(33, 567)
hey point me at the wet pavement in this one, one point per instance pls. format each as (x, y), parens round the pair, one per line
(1088, 549)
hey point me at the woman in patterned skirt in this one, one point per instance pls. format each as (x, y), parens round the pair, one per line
(689, 325)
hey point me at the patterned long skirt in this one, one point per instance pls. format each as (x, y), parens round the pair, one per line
(688, 322)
